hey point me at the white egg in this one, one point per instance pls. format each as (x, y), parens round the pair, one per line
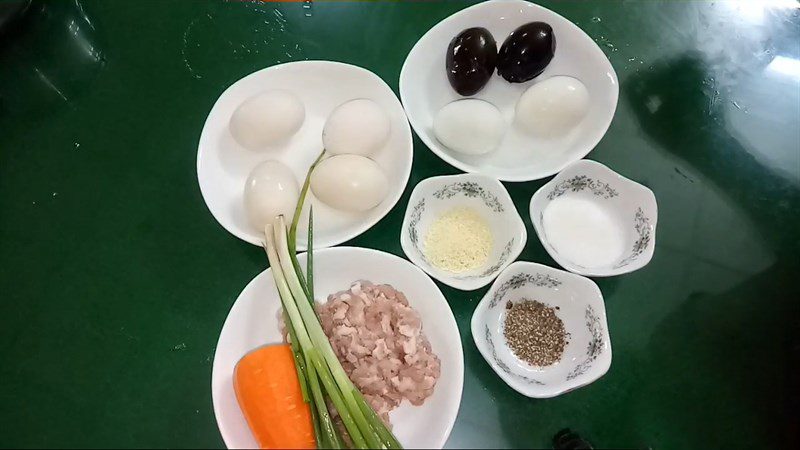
(350, 183)
(469, 126)
(270, 190)
(266, 119)
(357, 127)
(553, 107)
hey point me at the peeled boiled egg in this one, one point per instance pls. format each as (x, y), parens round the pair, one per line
(350, 183)
(469, 126)
(356, 127)
(553, 107)
(267, 119)
(270, 190)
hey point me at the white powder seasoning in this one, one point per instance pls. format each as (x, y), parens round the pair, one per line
(583, 232)
(458, 241)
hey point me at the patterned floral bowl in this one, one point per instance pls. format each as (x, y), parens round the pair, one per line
(587, 355)
(435, 196)
(630, 204)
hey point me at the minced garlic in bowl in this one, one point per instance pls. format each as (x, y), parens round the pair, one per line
(459, 240)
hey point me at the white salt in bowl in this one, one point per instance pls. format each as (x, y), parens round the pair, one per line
(435, 196)
(611, 229)
(587, 355)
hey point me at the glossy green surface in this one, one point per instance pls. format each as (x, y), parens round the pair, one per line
(115, 279)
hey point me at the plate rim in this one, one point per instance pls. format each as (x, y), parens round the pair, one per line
(449, 317)
(358, 231)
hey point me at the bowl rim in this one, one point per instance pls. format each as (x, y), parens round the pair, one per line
(435, 147)
(536, 391)
(452, 281)
(537, 201)
(405, 129)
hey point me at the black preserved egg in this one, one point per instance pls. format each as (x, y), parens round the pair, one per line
(471, 59)
(526, 52)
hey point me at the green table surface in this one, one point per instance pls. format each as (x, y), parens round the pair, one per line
(115, 279)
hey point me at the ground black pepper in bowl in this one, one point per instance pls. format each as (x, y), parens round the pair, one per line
(534, 332)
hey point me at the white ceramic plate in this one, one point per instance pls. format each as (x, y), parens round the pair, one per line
(424, 89)
(223, 165)
(252, 322)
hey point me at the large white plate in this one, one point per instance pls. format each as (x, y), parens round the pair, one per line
(253, 322)
(223, 165)
(424, 89)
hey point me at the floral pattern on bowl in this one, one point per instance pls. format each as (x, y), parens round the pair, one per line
(434, 196)
(631, 204)
(587, 355)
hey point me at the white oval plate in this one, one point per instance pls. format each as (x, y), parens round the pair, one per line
(424, 89)
(223, 165)
(252, 322)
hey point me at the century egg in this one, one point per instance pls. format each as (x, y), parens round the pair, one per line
(471, 59)
(526, 52)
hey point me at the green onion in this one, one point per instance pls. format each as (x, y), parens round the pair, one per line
(298, 210)
(330, 435)
(320, 373)
(387, 438)
(320, 340)
(298, 358)
(312, 358)
(315, 423)
(310, 256)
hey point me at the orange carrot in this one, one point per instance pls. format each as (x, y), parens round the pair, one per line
(266, 385)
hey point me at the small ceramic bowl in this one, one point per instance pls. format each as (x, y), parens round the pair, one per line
(629, 205)
(435, 196)
(587, 355)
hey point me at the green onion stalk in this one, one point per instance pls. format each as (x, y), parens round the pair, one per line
(293, 230)
(320, 373)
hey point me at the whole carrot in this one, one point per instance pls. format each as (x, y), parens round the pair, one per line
(268, 391)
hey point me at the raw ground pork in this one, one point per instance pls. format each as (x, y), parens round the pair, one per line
(379, 341)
